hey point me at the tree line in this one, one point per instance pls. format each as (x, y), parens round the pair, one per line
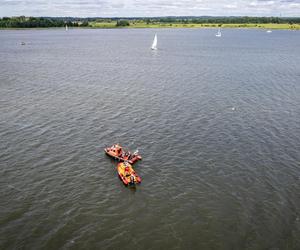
(224, 20)
(45, 22)
(38, 22)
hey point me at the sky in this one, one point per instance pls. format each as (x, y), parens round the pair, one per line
(149, 8)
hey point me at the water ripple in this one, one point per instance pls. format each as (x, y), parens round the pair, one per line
(216, 120)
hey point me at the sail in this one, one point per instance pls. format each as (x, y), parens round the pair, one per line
(219, 33)
(66, 27)
(154, 44)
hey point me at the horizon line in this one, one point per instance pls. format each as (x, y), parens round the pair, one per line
(175, 16)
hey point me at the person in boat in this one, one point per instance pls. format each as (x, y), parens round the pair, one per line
(132, 178)
(126, 172)
(126, 156)
(119, 151)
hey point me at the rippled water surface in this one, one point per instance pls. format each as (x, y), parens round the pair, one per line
(217, 121)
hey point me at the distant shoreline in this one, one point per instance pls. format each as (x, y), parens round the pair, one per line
(284, 26)
(23, 22)
(173, 26)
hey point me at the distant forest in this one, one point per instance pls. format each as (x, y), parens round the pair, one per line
(45, 22)
(40, 22)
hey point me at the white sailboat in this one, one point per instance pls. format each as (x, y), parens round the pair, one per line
(154, 44)
(219, 34)
(66, 27)
(269, 31)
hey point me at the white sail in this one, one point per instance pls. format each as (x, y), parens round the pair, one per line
(66, 27)
(154, 44)
(219, 34)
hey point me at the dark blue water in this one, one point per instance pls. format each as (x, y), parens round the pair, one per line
(217, 121)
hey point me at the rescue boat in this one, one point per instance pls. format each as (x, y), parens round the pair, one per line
(127, 174)
(118, 153)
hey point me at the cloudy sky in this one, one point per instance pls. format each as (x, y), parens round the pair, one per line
(127, 8)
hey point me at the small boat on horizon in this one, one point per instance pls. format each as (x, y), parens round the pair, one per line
(127, 174)
(219, 34)
(154, 44)
(23, 43)
(269, 31)
(67, 28)
(117, 152)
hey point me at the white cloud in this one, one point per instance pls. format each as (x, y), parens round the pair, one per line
(125, 8)
(230, 6)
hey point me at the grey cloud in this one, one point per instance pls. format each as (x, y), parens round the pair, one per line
(20, 3)
(148, 7)
(9, 3)
(280, 1)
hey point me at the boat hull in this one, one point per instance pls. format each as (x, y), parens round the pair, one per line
(127, 174)
(131, 159)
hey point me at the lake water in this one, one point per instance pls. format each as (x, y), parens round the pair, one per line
(217, 121)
